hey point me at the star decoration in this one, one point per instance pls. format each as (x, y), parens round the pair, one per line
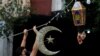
(50, 39)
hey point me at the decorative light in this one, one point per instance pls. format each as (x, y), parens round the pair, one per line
(78, 12)
(88, 1)
(88, 31)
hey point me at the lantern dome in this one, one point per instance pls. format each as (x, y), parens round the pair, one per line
(77, 5)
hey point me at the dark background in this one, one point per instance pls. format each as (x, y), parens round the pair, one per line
(65, 41)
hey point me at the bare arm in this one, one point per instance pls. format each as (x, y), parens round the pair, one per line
(35, 45)
(23, 43)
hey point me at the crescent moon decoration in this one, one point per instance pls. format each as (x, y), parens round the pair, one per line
(40, 38)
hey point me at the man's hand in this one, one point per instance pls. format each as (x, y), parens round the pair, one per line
(24, 38)
(25, 32)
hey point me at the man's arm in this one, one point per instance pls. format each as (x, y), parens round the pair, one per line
(23, 43)
(35, 45)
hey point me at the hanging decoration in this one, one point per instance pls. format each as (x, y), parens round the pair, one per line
(79, 17)
(41, 34)
(35, 45)
(78, 12)
(80, 37)
(39, 41)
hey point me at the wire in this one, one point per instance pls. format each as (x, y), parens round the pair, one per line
(46, 22)
(70, 3)
(39, 26)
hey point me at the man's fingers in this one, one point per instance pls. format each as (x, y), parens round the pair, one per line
(25, 32)
(34, 29)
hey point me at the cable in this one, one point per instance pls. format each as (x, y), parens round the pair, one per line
(40, 25)
(44, 23)
(69, 3)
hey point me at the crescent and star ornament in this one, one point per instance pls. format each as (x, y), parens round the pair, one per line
(40, 38)
(50, 39)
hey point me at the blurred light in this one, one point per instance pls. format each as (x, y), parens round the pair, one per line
(88, 1)
(68, 10)
(88, 31)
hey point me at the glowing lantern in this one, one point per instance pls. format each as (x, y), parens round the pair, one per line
(78, 12)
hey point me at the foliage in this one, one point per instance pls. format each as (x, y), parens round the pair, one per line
(95, 10)
(13, 11)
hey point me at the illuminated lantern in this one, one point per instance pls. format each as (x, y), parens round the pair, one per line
(78, 12)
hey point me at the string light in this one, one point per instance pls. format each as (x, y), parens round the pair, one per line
(88, 31)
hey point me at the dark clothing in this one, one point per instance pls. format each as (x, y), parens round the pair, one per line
(19, 51)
